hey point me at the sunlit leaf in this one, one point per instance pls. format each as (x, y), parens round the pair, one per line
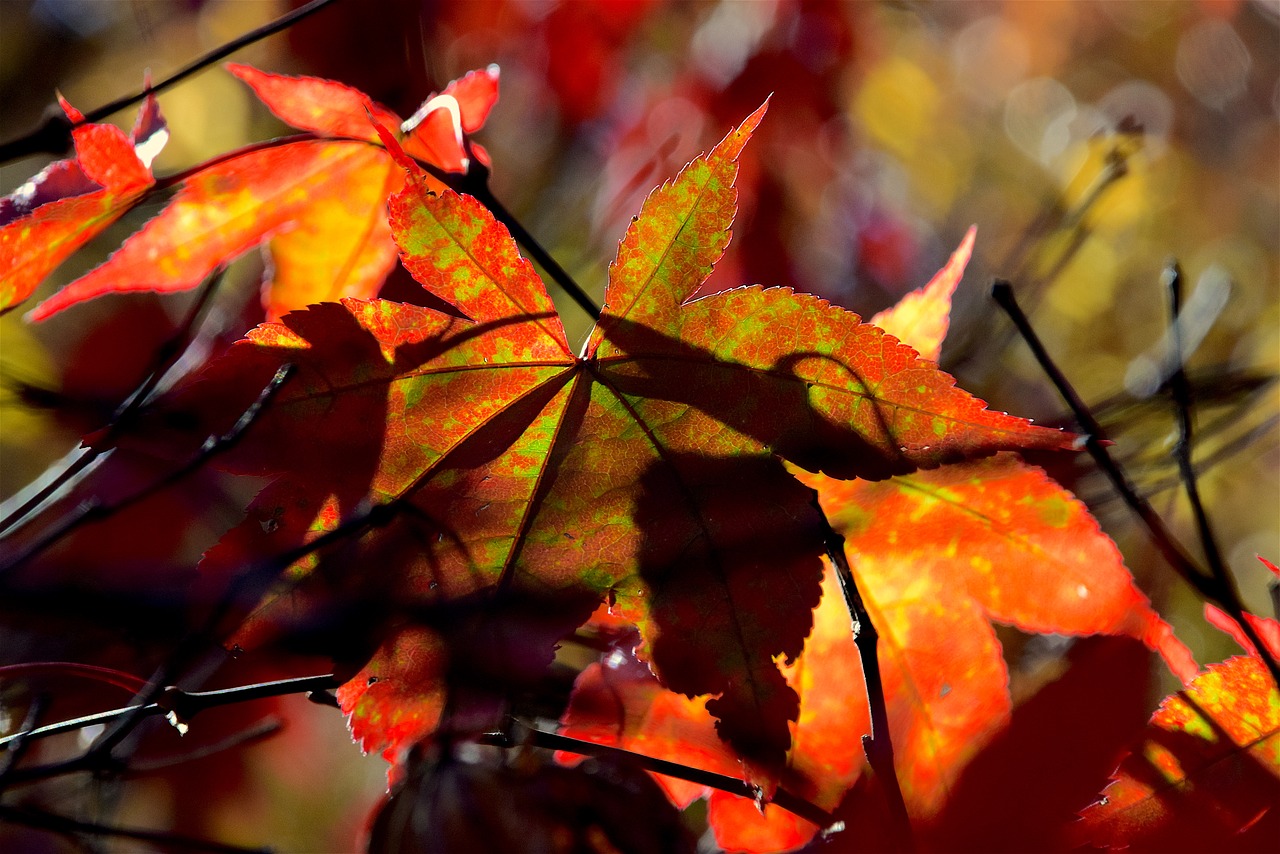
(646, 471)
(55, 213)
(318, 206)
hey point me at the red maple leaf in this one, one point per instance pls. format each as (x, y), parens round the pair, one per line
(317, 205)
(938, 555)
(71, 201)
(529, 484)
(1206, 774)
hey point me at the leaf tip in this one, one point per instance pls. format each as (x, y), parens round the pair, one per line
(241, 70)
(75, 116)
(731, 146)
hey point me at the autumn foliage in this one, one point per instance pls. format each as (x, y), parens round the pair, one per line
(448, 494)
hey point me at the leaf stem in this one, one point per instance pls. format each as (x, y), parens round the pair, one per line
(476, 183)
(53, 135)
(1219, 589)
(877, 744)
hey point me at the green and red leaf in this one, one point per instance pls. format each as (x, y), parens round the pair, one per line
(938, 555)
(647, 471)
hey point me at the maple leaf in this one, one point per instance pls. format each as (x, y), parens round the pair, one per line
(1206, 776)
(646, 470)
(937, 555)
(318, 205)
(620, 703)
(71, 201)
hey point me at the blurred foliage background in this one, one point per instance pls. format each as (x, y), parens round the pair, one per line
(1089, 141)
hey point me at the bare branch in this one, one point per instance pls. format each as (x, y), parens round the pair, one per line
(1216, 589)
(53, 136)
(877, 744)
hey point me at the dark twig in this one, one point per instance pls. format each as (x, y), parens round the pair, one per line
(1218, 590)
(53, 136)
(94, 510)
(877, 744)
(166, 356)
(250, 586)
(476, 183)
(1182, 403)
(182, 705)
(61, 824)
(524, 734)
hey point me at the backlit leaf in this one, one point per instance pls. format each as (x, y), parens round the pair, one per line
(922, 317)
(69, 203)
(939, 555)
(646, 471)
(318, 206)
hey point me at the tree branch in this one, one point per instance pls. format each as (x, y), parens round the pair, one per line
(1219, 590)
(877, 744)
(93, 510)
(181, 705)
(1181, 393)
(165, 358)
(53, 135)
(525, 734)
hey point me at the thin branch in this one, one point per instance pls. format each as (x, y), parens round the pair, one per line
(877, 744)
(53, 135)
(94, 510)
(181, 705)
(1215, 589)
(16, 747)
(165, 358)
(61, 824)
(525, 734)
(249, 586)
(476, 183)
(1181, 393)
(1096, 444)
